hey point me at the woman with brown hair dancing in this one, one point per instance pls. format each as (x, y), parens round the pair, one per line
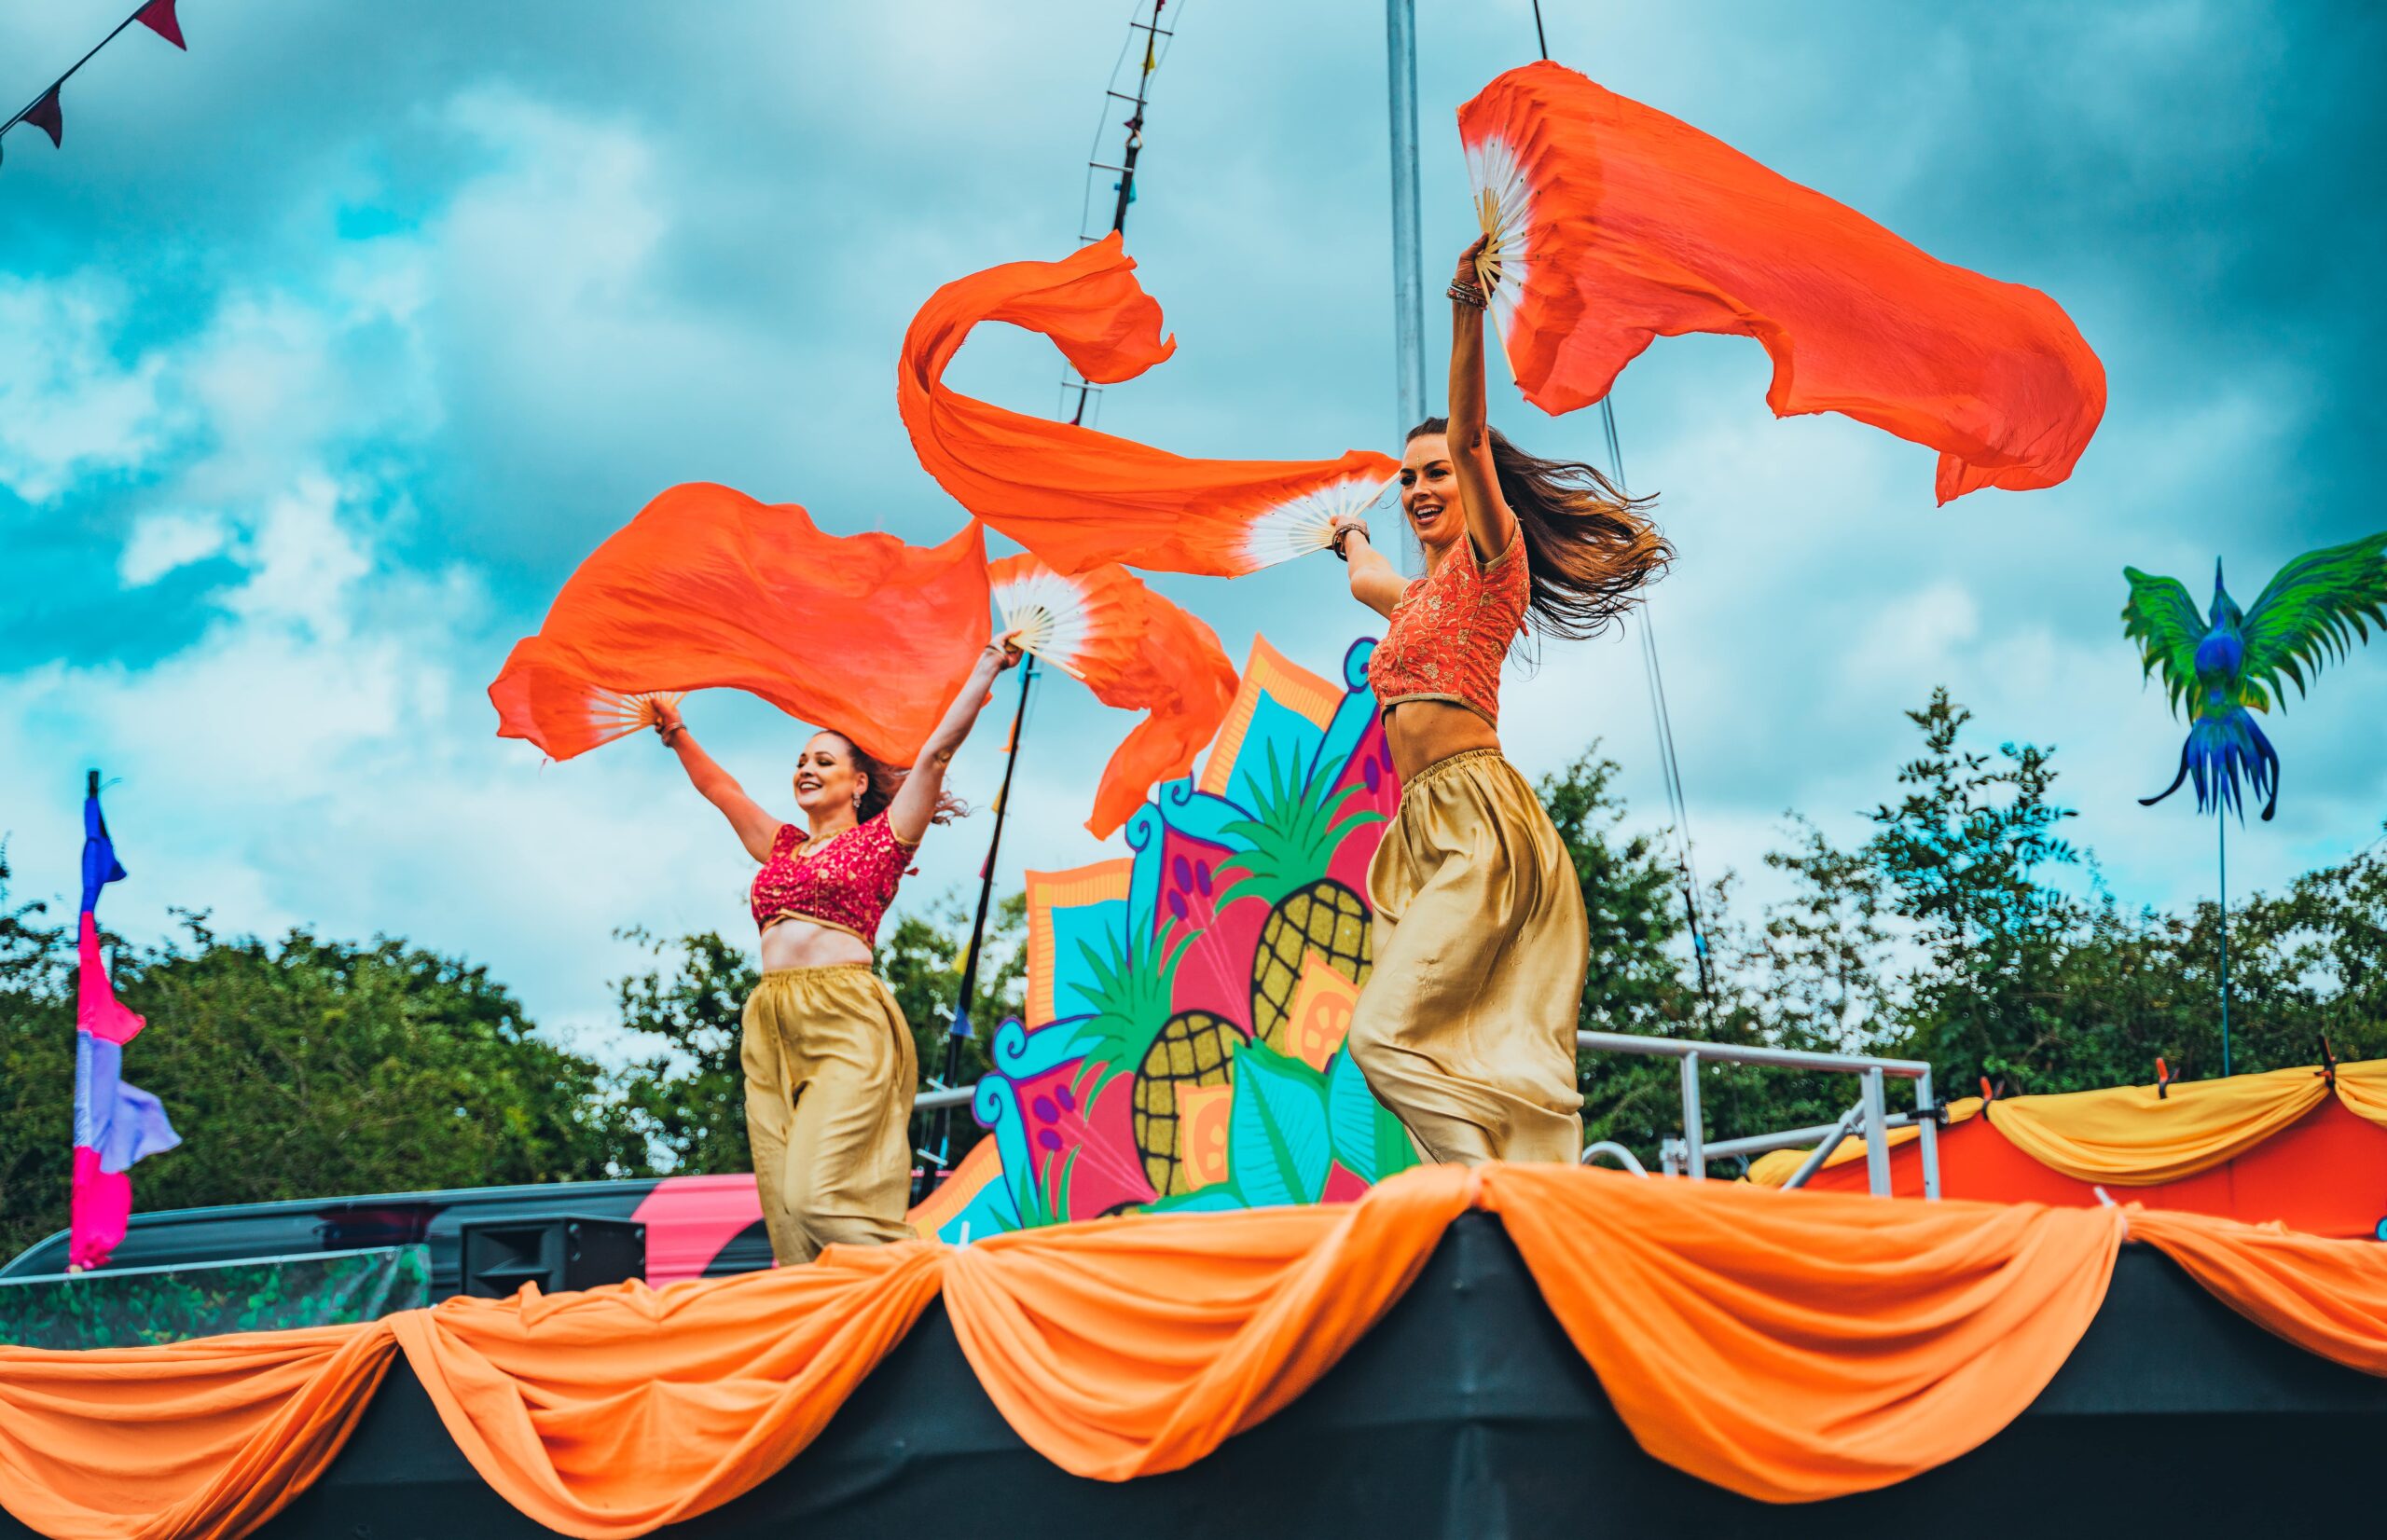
(1466, 1029)
(829, 1066)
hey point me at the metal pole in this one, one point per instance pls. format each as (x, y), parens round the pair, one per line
(2222, 824)
(1877, 1135)
(1408, 263)
(968, 992)
(1926, 1120)
(1695, 1137)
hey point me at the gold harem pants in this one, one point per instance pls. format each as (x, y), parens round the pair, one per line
(829, 1075)
(1466, 1029)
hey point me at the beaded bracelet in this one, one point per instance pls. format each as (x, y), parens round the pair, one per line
(1468, 295)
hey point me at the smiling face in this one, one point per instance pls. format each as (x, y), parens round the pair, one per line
(826, 776)
(1430, 493)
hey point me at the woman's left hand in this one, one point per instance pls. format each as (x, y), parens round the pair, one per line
(1466, 271)
(1005, 651)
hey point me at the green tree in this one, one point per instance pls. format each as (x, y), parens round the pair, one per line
(297, 1069)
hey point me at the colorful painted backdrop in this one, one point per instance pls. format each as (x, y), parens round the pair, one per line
(1187, 1002)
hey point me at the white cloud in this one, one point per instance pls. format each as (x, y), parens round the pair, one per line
(164, 542)
(69, 405)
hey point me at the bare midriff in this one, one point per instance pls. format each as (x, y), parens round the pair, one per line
(791, 941)
(1427, 732)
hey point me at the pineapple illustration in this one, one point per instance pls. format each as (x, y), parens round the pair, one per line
(1133, 1025)
(1287, 844)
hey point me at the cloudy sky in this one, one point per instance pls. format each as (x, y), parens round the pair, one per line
(328, 348)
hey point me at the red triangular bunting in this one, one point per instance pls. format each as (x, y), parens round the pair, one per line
(159, 17)
(44, 115)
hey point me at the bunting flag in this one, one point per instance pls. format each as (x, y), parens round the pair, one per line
(1135, 651)
(46, 113)
(115, 1123)
(1078, 497)
(707, 588)
(1611, 224)
(159, 17)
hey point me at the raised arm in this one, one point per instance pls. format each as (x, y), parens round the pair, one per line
(756, 828)
(1375, 582)
(914, 804)
(1489, 523)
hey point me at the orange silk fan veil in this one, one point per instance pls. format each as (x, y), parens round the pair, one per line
(1612, 223)
(707, 589)
(1134, 650)
(1078, 497)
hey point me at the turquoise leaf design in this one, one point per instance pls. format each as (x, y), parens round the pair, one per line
(1278, 1147)
(1368, 1140)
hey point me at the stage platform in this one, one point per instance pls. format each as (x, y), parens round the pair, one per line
(1465, 1411)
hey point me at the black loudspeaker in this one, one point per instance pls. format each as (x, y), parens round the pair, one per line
(555, 1251)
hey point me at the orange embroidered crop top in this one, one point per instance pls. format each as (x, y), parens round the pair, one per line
(1451, 629)
(846, 885)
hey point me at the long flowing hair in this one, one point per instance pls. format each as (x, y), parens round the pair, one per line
(881, 780)
(1589, 545)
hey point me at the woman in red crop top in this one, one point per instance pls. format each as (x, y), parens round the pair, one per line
(830, 1064)
(1466, 1029)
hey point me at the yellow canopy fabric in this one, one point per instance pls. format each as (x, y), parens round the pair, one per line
(2130, 1136)
(2363, 1088)
(2133, 1136)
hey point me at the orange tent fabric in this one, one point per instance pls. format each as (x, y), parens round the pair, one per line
(1079, 497)
(2327, 1297)
(707, 588)
(609, 1413)
(1614, 224)
(1798, 1347)
(201, 1440)
(1135, 651)
(1127, 1347)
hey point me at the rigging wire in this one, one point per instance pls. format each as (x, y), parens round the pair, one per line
(1662, 718)
(1158, 42)
(1156, 51)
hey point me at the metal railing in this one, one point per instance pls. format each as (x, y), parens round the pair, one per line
(1869, 1118)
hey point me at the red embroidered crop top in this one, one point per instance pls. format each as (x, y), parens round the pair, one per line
(1451, 629)
(846, 885)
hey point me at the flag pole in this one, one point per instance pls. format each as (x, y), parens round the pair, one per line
(958, 1027)
(1408, 262)
(2222, 825)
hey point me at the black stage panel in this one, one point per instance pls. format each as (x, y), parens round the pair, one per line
(1468, 1413)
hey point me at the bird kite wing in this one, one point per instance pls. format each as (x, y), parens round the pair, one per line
(1080, 499)
(1135, 651)
(2163, 620)
(2315, 608)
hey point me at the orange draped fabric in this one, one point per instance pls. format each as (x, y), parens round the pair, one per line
(201, 1440)
(609, 1413)
(1793, 1347)
(2327, 1297)
(1127, 1347)
(707, 588)
(1616, 224)
(1135, 651)
(1789, 1347)
(1078, 497)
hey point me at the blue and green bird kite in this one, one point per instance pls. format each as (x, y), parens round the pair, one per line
(2227, 662)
